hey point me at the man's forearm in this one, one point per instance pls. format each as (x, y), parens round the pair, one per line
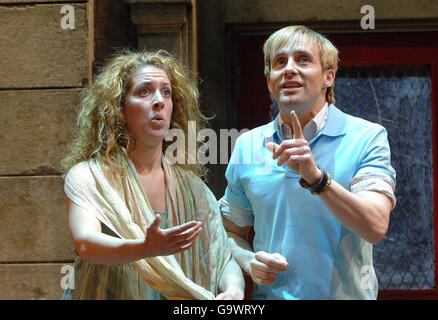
(365, 213)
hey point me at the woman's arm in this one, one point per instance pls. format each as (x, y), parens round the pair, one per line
(96, 247)
(231, 282)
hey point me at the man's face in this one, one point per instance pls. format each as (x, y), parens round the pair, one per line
(148, 105)
(297, 81)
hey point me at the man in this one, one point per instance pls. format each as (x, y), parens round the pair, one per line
(319, 188)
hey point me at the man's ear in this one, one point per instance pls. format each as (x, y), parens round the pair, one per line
(268, 82)
(329, 78)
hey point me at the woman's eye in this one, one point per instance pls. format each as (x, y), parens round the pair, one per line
(304, 59)
(167, 93)
(144, 91)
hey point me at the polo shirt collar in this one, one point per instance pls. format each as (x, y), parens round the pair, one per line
(334, 126)
(336, 122)
(310, 130)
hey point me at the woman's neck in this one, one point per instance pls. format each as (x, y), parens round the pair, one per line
(146, 158)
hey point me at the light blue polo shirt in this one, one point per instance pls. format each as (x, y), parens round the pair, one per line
(326, 260)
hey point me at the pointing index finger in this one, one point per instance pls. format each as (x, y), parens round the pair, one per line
(296, 126)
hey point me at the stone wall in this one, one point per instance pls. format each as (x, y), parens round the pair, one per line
(113, 30)
(44, 69)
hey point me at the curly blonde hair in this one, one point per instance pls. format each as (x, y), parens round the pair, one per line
(327, 51)
(102, 133)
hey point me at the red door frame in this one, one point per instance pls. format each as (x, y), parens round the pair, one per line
(400, 49)
(419, 48)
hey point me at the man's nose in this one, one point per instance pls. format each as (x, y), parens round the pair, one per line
(291, 67)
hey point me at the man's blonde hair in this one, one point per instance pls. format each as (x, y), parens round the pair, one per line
(327, 51)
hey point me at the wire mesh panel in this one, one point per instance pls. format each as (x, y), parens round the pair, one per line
(399, 99)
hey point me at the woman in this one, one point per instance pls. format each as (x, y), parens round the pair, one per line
(143, 228)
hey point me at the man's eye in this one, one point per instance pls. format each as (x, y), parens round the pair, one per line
(281, 62)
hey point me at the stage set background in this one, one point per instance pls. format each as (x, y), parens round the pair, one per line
(44, 69)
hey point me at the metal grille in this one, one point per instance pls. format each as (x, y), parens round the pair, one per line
(399, 99)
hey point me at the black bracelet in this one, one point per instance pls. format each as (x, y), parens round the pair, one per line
(323, 184)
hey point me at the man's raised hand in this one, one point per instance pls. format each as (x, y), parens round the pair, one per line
(296, 153)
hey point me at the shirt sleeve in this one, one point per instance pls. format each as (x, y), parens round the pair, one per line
(375, 172)
(235, 205)
(240, 216)
(379, 183)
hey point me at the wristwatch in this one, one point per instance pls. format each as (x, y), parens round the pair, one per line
(322, 185)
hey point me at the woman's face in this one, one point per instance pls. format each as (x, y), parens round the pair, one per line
(148, 106)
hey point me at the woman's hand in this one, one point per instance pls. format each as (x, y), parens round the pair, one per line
(231, 282)
(164, 242)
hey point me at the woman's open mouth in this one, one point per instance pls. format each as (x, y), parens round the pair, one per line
(158, 120)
